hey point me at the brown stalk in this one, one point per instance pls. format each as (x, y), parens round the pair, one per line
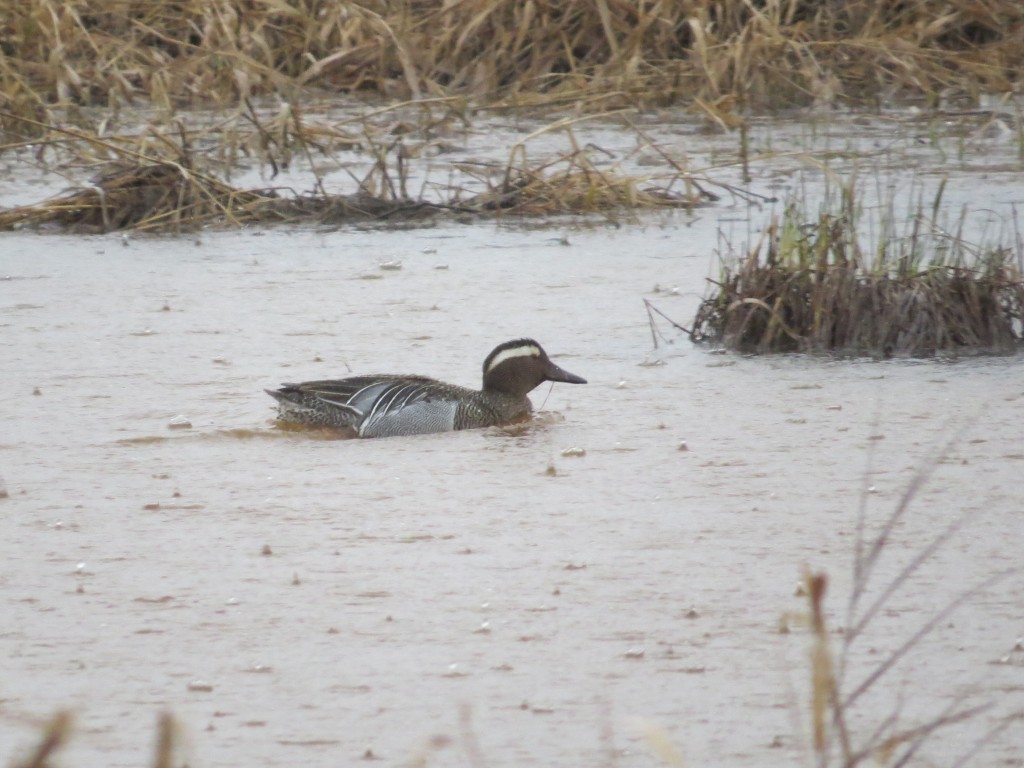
(55, 735)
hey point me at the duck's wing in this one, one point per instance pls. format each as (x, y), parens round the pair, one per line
(358, 393)
(385, 405)
(410, 406)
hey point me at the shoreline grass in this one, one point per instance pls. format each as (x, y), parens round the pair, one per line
(758, 55)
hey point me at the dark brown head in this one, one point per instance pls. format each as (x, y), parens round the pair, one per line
(516, 367)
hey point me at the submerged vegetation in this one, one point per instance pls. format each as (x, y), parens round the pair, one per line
(809, 285)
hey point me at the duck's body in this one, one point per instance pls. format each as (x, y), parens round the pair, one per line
(387, 405)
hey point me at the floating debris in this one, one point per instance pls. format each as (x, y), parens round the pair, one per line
(454, 670)
(179, 422)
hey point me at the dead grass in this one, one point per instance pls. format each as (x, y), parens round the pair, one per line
(599, 53)
(572, 183)
(145, 196)
(810, 286)
(152, 185)
(160, 180)
(68, 69)
(166, 196)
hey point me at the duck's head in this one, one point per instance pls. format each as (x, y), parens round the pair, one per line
(516, 367)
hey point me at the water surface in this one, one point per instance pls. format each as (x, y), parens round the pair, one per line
(296, 600)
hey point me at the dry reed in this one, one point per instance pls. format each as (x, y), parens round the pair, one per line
(600, 52)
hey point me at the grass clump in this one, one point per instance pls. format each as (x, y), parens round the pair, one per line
(810, 286)
(574, 183)
(141, 196)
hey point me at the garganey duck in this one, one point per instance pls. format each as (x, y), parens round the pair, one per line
(387, 405)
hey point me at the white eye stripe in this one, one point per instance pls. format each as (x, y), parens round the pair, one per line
(527, 350)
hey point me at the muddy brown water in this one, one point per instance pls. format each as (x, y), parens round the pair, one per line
(488, 597)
